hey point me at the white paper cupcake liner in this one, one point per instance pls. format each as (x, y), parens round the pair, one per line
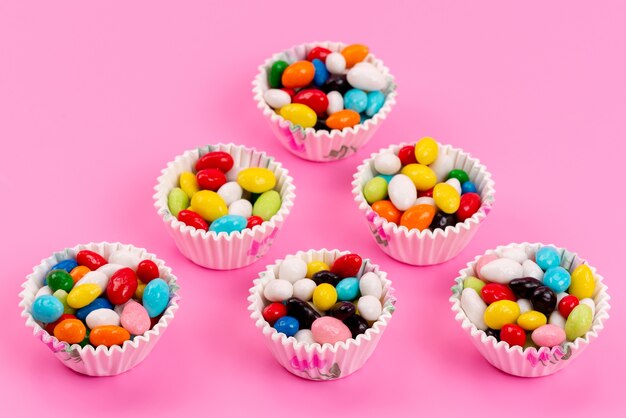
(426, 247)
(100, 361)
(313, 361)
(223, 251)
(531, 362)
(321, 146)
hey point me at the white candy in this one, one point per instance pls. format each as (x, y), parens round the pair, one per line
(560, 296)
(557, 319)
(442, 165)
(370, 285)
(276, 98)
(402, 192)
(278, 290)
(335, 102)
(531, 269)
(304, 336)
(387, 163)
(455, 183)
(230, 192)
(292, 269)
(303, 289)
(425, 200)
(589, 302)
(516, 254)
(109, 269)
(233, 173)
(336, 63)
(501, 271)
(524, 305)
(241, 207)
(103, 316)
(125, 258)
(43, 291)
(97, 277)
(369, 307)
(366, 77)
(474, 307)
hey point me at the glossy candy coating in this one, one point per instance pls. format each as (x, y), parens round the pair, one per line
(468, 187)
(219, 160)
(229, 224)
(426, 151)
(468, 206)
(583, 283)
(156, 296)
(319, 53)
(370, 284)
(267, 205)
(72, 331)
(122, 286)
(98, 303)
(209, 205)
(67, 265)
(493, 333)
(338, 84)
(348, 265)
(578, 322)
(493, 292)
(531, 320)
(276, 73)
(59, 279)
(402, 192)
(62, 296)
(524, 287)
(299, 114)
(90, 259)
(47, 309)
(369, 307)
(329, 330)
(230, 192)
(567, 305)
(288, 325)
(177, 200)
(458, 174)
(302, 311)
(356, 100)
(83, 294)
(421, 175)
(325, 276)
(254, 221)
(407, 155)
(100, 317)
(366, 76)
(211, 179)
(321, 73)
(547, 257)
(543, 300)
(191, 218)
(273, 311)
(343, 119)
(315, 266)
(303, 289)
(356, 324)
(446, 198)
(50, 326)
(354, 54)
(135, 319)
(418, 217)
(473, 283)
(548, 336)
(335, 102)
(557, 278)
(342, 310)
(256, 179)
(443, 220)
(108, 336)
(276, 98)
(188, 183)
(501, 313)
(474, 307)
(386, 209)
(347, 289)
(513, 334)
(313, 98)
(299, 74)
(79, 272)
(375, 190)
(375, 101)
(324, 296)
(335, 63)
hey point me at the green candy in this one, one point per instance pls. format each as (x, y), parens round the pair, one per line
(375, 190)
(276, 74)
(177, 200)
(267, 205)
(60, 279)
(458, 174)
(473, 283)
(61, 295)
(578, 322)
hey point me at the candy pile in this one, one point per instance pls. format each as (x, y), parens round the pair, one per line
(88, 300)
(329, 90)
(207, 197)
(529, 303)
(418, 188)
(303, 293)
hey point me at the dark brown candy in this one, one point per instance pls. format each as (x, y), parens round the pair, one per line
(325, 276)
(356, 324)
(302, 311)
(524, 287)
(342, 310)
(544, 300)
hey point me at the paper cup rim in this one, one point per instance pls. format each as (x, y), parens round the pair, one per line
(268, 112)
(166, 317)
(601, 311)
(487, 196)
(377, 327)
(168, 218)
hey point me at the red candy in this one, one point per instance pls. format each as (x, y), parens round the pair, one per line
(122, 286)
(567, 305)
(254, 221)
(274, 311)
(50, 327)
(147, 270)
(313, 98)
(211, 179)
(513, 334)
(425, 193)
(347, 265)
(191, 218)
(407, 155)
(470, 203)
(493, 292)
(319, 53)
(216, 159)
(89, 259)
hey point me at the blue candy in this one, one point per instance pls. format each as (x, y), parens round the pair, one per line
(67, 265)
(47, 309)
(98, 303)
(557, 279)
(468, 187)
(375, 100)
(228, 224)
(547, 257)
(288, 325)
(387, 177)
(156, 296)
(321, 73)
(355, 99)
(347, 289)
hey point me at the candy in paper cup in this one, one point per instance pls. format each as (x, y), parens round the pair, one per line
(425, 247)
(321, 146)
(531, 362)
(89, 360)
(313, 361)
(224, 251)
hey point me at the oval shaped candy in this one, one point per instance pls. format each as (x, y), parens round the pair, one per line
(288, 325)
(67, 265)
(122, 286)
(276, 73)
(468, 206)
(79, 272)
(458, 174)
(543, 300)
(209, 205)
(83, 294)
(421, 175)
(557, 278)
(402, 192)
(98, 303)
(513, 335)
(548, 336)
(366, 76)
(443, 220)
(347, 289)
(321, 73)
(188, 183)
(342, 310)
(324, 296)
(493, 292)
(583, 283)
(547, 257)
(292, 269)
(47, 308)
(356, 100)
(407, 155)
(278, 290)
(375, 101)
(567, 305)
(370, 284)
(218, 160)
(90, 259)
(343, 119)
(532, 320)
(302, 311)
(468, 187)
(276, 98)
(100, 317)
(314, 99)
(59, 279)
(501, 270)
(191, 218)
(242, 207)
(229, 224)
(299, 74)
(230, 192)
(254, 221)
(426, 151)
(531, 269)
(177, 200)
(356, 324)
(256, 179)
(473, 283)
(501, 313)
(303, 289)
(369, 308)
(578, 322)
(524, 287)
(386, 209)
(211, 179)
(375, 190)
(108, 336)
(135, 318)
(446, 198)
(474, 307)
(348, 265)
(267, 205)
(354, 54)
(335, 63)
(315, 266)
(335, 102)
(319, 53)
(325, 276)
(329, 330)
(71, 331)
(156, 296)
(418, 217)
(274, 311)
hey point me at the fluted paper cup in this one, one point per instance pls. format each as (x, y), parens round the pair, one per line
(314, 361)
(321, 146)
(532, 362)
(223, 251)
(89, 360)
(421, 248)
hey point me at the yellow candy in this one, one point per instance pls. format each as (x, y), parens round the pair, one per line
(531, 320)
(256, 180)
(62, 296)
(426, 150)
(324, 296)
(209, 205)
(583, 284)
(82, 295)
(139, 292)
(299, 114)
(315, 266)
(421, 175)
(188, 183)
(446, 198)
(501, 313)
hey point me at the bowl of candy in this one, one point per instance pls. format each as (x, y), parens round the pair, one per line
(530, 309)
(324, 100)
(423, 202)
(322, 312)
(224, 204)
(100, 307)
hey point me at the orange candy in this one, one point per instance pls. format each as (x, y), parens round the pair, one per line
(354, 54)
(418, 217)
(343, 119)
(78, 272)
(70, 330)
(298, 74)
(108, 335)
(387, 210)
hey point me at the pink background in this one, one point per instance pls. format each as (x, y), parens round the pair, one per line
(96, 97)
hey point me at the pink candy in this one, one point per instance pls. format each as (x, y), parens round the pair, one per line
(135, 318)
(548, 335)
(329, 330)
(485, 259)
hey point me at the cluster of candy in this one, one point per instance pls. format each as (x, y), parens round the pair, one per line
(329, 90)
(88, 300)
(418, 188)
(529, 303)
(303, 293)
(207, 197)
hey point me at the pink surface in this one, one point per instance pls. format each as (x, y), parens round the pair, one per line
(95, 98)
